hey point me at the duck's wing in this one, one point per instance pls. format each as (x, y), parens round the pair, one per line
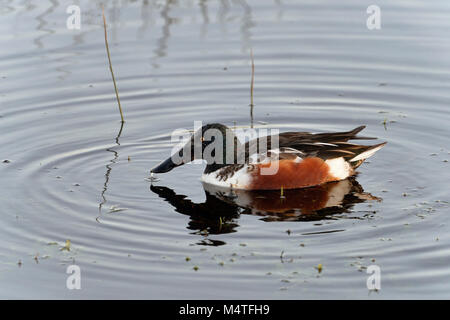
(322, 145)
(290, 139)
(330, 145)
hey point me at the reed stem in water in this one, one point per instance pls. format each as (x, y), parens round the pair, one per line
(253, 78)
(110, 65)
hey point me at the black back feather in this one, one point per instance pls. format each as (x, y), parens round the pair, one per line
(323, 145)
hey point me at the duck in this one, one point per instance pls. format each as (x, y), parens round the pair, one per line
(288, 160)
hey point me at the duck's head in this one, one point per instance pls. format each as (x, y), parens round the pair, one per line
(210, 143)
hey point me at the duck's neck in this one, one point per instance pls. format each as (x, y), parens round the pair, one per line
(235, 146)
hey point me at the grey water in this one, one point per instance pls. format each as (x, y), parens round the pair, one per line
(70, 171)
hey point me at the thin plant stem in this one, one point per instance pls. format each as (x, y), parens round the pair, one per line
(253, 78)
(251, 88)
(110, 66)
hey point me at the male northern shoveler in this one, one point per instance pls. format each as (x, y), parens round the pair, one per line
(302, 159)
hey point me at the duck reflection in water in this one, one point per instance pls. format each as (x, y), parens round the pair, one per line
(222, 208)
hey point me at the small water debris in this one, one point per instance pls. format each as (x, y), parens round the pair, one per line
(66, 246)
(6, 161)
(116, 208)
(195, 268)
(319, 267)
(359, 264)
(362, 268)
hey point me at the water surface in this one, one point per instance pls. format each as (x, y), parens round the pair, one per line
(71, 165)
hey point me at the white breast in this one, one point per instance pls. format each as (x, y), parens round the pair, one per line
(239, 180)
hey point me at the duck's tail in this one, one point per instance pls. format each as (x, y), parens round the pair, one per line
(366, 153)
